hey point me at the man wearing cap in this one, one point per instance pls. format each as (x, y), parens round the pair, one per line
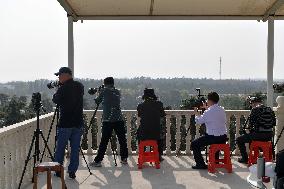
(69, 98)
(214, 119)
(109, 96)
(151, 111)
(261, 121)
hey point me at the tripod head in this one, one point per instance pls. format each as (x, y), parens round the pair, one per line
(36, 102)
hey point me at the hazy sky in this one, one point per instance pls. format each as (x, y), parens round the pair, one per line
(33, 45)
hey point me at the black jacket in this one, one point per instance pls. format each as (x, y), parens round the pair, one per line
(150, 112)
(69, 97)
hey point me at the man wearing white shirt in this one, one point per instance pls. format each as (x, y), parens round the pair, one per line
(214, 119)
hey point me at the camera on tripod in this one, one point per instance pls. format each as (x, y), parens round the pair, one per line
(36, 101)
(198, 103)
(278, 88)
(93, 91)
(53, 84)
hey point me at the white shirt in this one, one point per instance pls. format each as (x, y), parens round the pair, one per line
(214, 119)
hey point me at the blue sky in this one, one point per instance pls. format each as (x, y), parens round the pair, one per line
(33, 45)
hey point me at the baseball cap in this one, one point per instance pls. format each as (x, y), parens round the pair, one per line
(64, 70)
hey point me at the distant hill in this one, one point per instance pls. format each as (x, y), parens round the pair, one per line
(170, 91)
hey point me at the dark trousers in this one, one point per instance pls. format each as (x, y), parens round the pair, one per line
(198, 144)
(248, 138)
(120, 132)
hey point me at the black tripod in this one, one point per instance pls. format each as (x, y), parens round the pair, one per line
(114, 151)
(56, 115)
(35, 140)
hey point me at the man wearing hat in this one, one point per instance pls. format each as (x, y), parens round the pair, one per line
(69, 98)
(261, 122)
(150, 111)
(109, 96)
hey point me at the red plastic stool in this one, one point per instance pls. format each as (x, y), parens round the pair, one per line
(219, 163)
(254, 151)
(152, 156)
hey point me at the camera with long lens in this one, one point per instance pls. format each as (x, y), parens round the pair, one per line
(278, 88)
(36, 101)
(53, 84)
(93, 91)
(200, 99)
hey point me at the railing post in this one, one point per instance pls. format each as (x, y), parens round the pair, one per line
(280, 123)
(178, 137)
(89, 136)
(168, 135)
(238, 126)
(2, 164)
(99, 134)
(128, 132)
(188, 137)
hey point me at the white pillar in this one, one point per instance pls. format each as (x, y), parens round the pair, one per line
(280, 123)
(270, 61)
(70, 44)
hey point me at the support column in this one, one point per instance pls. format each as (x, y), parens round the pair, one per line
(270, 61)
(280, 123)
(70, 44)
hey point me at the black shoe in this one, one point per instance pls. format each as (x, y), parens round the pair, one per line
(200, 167)
(58, 174)
(72, 175)
(242, 160)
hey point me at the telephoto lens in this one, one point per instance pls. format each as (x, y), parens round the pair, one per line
(53, 84)
(93, 91)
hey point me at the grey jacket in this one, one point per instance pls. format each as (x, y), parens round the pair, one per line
(110, 99)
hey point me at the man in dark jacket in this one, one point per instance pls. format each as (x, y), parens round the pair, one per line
(150, 111)
(261, 122)
(69, 97)
(109, 96)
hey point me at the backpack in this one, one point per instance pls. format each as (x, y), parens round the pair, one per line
(266, 118)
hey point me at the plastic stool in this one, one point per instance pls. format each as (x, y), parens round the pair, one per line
(214, 163)
(48, 167)
(266, 148)
(152, 156)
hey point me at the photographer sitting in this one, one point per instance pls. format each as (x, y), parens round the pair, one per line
(261, 122)
(150, 111)
(214, 119)
(69, 97)
(112, 120)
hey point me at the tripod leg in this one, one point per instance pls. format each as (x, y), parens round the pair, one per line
(113, 151)
(27, 161)
(45, 143)
(85, 161)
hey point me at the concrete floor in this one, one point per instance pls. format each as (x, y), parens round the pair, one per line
(175, 173)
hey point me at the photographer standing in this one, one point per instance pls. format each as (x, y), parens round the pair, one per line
(69, 98)
(214, 119)
(109, 96)
(261, 122)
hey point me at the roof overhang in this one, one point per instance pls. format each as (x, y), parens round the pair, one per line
(174, 9)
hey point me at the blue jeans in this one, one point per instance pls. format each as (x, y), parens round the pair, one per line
(74, 136)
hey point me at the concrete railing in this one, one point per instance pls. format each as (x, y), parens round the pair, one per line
(15, 140)
(176, 123)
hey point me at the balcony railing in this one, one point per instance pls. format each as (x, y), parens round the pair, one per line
(15, 140)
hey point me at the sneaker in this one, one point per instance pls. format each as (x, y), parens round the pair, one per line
(242, 160)
(72, 175)
(200, 167)
(124, 161)
(96, 164)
